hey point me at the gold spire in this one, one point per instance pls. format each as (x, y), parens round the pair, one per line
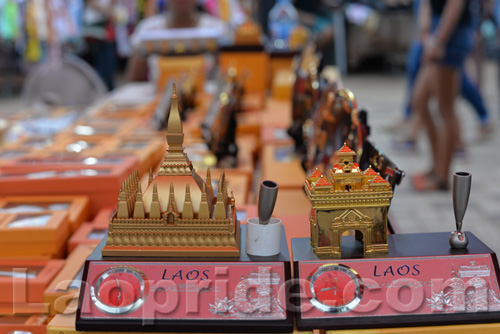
(175, 136)
(187, 211)
(204, 212)
(172, 207)
(155, 210)
(150, 180)
(175, 161)
(123, 211)
(222, 187)
(209, 183)
(220, 207)
(139, 205)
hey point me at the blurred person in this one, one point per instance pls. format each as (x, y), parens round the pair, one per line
(179, 14)
(484, 10)
(450, 39)
(99, 32)
(468, 89)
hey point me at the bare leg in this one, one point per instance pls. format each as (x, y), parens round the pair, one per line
(421, 96)
(415, 126)
(447, 87)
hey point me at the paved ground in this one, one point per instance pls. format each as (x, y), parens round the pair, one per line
(382, 96)
(10, 105)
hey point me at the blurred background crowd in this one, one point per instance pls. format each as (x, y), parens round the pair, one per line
(440, 45)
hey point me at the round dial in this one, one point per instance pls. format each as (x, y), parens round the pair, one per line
(335, 288)
(118, 290)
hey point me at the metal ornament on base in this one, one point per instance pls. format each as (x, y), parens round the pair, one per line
(461, 191)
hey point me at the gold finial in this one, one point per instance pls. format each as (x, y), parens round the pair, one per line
(220, 207)
(174, 90)
(210, 189)
(175, 136)
(187, 211)
(123, 211)
(139, 204)
(150, 180)
(204, 212)
(155, 211)
(155, 192)
(222, 179)
(172, 207)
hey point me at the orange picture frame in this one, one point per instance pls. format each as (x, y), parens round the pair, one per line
(78, 209)
(100, 183)
(47, 240)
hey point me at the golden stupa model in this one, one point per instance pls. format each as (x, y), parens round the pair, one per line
(177, 215)
(351, 199)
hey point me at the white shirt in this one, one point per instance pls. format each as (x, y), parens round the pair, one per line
(159, 22)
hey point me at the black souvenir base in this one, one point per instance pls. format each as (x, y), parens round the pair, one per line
(420, 282)
(181, 295)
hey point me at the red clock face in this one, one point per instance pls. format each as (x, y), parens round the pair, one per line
(335, 288)
(119, 290)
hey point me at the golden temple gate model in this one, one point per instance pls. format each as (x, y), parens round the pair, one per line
(350, 199)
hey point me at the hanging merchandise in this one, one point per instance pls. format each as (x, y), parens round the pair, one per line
(121, 20)
(63, 24)
(41, 18)
(141, 8)
(9, 20)
(33, 51)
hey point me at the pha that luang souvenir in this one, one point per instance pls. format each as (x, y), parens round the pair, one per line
(177, 215)
(173, 259)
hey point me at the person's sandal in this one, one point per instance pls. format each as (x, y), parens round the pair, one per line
(428, 182)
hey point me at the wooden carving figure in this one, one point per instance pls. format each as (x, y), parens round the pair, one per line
(305, 93)
(219, 125)
(335, 120)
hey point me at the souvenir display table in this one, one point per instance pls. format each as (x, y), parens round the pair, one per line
(134, 197)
